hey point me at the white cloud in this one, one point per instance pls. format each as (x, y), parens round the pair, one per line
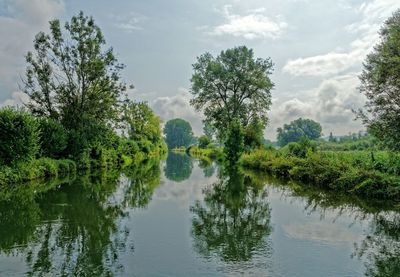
(330, 104)
(254, 25)
(18, 99)
(322, 65)
(18, 25)
(177, 106)
(130, 22)
(373, 15)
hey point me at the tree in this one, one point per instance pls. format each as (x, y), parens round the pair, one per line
(208, 130)
(253, 134)
(232, 85)
(234, 145)
(142, 123)
(332, 138)
(178, 132)
(380, 83)
(298, 129)
(19, 136)
(72, 79)
(204, 141)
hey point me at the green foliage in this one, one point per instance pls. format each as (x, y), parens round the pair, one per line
(232, 85)
(361, 173)
(253, 134)
(142, 123)
(301, 148)
(19, 136)
(204, 141)
(211, 152)
(208, 130)
(178, 167)
(346, 143)
(234, 145)
(35, 169)
(298, 129)
(178, 132)
(379, 83)
(53, 138)
(72, 79)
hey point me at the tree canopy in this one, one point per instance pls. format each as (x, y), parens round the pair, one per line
(142, 123)
(380, 83)
(232, 85)
(298, 129)
(71, 78)
(178, 132)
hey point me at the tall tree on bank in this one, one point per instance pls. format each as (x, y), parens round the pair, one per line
(298, 129)
(380, 83)
(178, 132)
(71, 78)
(232, 85)
(143, 124)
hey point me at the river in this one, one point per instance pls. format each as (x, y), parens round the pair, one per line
(186, 217)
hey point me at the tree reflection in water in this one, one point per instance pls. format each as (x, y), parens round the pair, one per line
(75, 228)
(233, 221)
(178, 167)
(380, 249)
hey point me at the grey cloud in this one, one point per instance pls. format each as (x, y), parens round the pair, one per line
(373, 15)
(330, 104)
(18, 25)
(177, 106)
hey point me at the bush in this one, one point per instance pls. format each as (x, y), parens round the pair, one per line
(53, 138)
(301, 148)
(19, 136)
(204, 141)
(352, 172)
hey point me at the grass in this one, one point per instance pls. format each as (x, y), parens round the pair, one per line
(36, 169)
(210, 152)
(372, 174)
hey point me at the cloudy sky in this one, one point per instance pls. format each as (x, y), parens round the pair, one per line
(317, 47)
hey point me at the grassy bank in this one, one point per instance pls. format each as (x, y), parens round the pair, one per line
(359, 172)
(93, 158)
(211, 152)
(36, 169)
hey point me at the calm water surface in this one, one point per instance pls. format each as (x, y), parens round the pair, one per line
(183, 217)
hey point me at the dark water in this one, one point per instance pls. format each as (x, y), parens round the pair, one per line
(190, 218)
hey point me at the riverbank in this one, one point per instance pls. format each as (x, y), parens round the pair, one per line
(210, 153)
(93, 158)
(357, 172)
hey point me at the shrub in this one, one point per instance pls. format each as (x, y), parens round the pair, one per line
(300, 149)
(19, 136)
(204, 141)
(53, 138)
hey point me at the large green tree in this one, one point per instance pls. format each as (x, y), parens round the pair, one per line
(142, 123)
(380, 83)
(234, 84)
(298, 129)
(178, 132)
(72, 78)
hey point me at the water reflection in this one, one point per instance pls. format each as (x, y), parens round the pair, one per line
(178, 167)
(208, 167)
(380, 247)
(90, 226)
(76, 227)
(233, 221)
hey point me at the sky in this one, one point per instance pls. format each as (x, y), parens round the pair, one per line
(317, 47)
